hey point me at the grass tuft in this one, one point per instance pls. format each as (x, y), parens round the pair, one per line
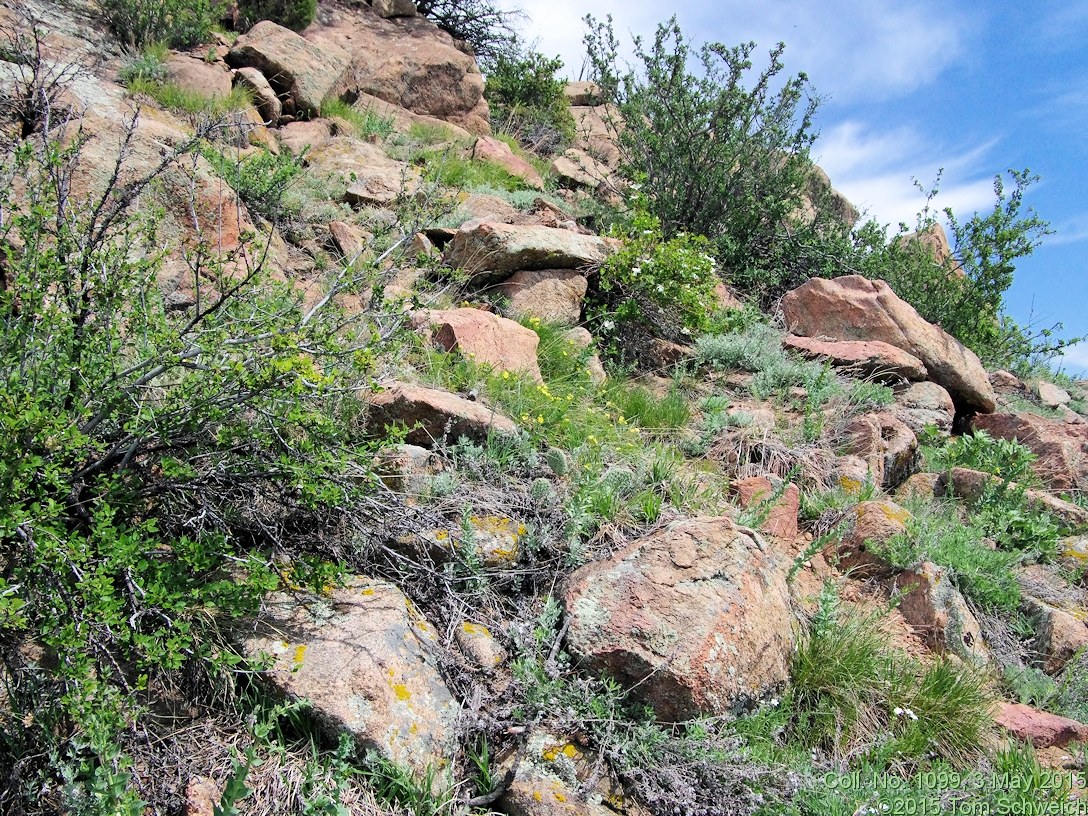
(367, 123)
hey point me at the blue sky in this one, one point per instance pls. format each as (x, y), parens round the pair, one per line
(910, 87)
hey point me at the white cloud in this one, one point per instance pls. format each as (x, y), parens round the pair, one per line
(850, 48)
(1070, 231)
(1075, 359)
(874, 169)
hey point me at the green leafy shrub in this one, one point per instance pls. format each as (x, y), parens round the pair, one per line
(744, 166)
(292, 14)
(1002, 511)
(756, 348)
(1003, 514)
(177, 23)
(261, 179)
(149, 66)
(936, 533)
(660, 287)
(1005, 458)
(868, 395)
(965, 295)
(144, 454)
(527, 101)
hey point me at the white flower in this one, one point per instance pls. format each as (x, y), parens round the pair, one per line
(660, 289)
(897, 711)
(686, 330)
(635, 270)
(608, 325)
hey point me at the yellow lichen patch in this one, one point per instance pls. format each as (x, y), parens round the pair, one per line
(498, 525)
(891, 512)
(475, 629)
(441, 535)
(559, 797)
(300, 652)
(553, 752)
(851, 487)
(402, 692)
(1077, 550)
(538, 796)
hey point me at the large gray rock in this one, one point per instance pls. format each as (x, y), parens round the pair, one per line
(856, 308)
(576, 168)
(431, 414)
(937, 611)
(408, 62)
(887, 445)
(1051, 395)
(693, 619)
(1059, 634)
(482, 337)
(297, 69)
(490, 252)
(553, 295)
(1041, 728)
(264, 96)
(922, 405)
(363, 657)
(873, 358)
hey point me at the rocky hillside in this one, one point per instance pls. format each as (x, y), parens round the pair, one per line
(358, 459)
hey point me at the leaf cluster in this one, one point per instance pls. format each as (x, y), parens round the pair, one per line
(154, 458)
(718, 152)
(527, 100)
(177, 23)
